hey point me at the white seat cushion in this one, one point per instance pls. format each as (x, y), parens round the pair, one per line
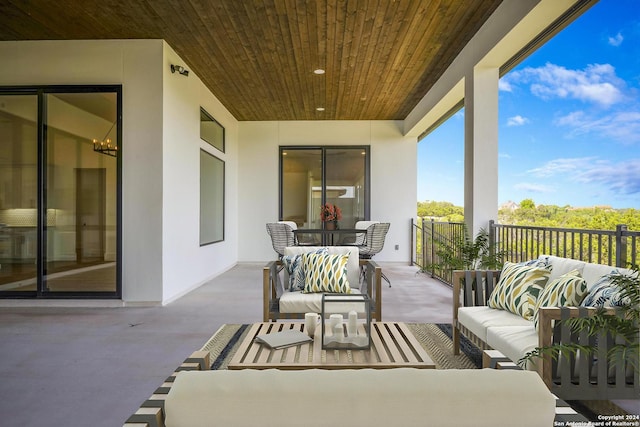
(298, 302)
(478, 319)
(513, 341)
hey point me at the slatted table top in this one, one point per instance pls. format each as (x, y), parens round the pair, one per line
(392, 346)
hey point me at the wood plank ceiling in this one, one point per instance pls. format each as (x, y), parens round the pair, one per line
(258, 56)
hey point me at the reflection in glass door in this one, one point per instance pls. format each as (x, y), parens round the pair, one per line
(18, 192)
(345, 183)
(301, 172)
(311, 177)
(80, 192)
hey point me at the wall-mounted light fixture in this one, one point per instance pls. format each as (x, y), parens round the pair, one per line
(179, 69)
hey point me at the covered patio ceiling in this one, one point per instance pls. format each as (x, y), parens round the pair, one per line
(258, 57)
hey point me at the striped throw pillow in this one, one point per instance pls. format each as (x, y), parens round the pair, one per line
(325, 273)
(519, 287)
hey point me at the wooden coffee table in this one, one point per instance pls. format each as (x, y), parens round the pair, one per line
(392, 346)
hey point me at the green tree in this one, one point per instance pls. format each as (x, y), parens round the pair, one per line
(527, 204)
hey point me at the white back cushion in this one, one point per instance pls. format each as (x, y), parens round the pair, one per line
(562, 266)
(291, 224)
(593, 272)
(589, 271)
(365, 397)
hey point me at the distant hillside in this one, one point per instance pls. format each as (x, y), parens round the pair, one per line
(528, 213)
(440, 211)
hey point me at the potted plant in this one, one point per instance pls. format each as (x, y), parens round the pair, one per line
(330, 215)
(466, 254)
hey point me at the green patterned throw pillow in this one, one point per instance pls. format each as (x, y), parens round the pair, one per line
(293, 264)
(518, 288)
(325, 273)
(567, 290)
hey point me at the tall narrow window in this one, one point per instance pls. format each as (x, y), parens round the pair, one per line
(314, 176)
(211, 199)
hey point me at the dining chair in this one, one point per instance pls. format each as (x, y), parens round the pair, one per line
(282, 235)
(361, 238)
(374, 242)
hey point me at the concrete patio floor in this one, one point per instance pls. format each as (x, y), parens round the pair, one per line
(93, 366)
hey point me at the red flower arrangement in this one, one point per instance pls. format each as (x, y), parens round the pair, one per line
(329, 213)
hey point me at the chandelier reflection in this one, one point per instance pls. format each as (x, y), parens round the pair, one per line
(106, 145)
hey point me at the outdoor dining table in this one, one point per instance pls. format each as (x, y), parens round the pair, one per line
(327, 237)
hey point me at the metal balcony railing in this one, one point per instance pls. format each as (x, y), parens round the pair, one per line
(428, 237)
(619, 247)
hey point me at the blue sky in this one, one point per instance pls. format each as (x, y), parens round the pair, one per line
(569, 120)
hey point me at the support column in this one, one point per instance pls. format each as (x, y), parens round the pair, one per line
(480, 148)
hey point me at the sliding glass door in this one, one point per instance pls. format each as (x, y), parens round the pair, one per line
(18, 192)
(314, 176)
(59, 193)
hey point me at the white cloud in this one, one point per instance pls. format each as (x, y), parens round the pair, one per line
(504, 155)
(561, 166)
(533, 188)
(621, 178)
(597, 83)
(623, 126)
(616, 40)
(517, 121)
(504, 85)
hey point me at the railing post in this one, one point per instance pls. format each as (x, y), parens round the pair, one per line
(492, 238)
(621, 246)
(432, 248)
(412, 225)
(424, 246)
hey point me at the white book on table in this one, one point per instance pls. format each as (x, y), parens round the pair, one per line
(282, 339)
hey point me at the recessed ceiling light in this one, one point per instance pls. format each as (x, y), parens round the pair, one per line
(318, 71)
(320, 109)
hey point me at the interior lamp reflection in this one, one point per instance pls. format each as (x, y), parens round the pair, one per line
(106, 146)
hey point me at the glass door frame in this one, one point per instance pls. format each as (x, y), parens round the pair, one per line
(323, 149)
(41, 236)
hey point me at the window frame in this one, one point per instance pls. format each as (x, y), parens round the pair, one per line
(212, 212)
(214, 144)
(324, 149)
(41, 236)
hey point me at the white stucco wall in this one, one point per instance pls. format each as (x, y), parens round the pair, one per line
(162, 258)
(184, 261)
(393, 177)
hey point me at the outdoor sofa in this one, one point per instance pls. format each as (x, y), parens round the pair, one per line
(351, 397)
(593, 377)
(280, 301)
